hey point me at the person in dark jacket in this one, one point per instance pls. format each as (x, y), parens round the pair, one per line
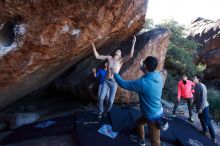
(202, 106)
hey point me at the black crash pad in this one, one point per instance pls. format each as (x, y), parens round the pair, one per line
(86, 125)
(62, 125)
(179, 132)
(124, 119)
(188, 135)
(87, 131)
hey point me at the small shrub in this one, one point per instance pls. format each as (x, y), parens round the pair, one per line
(214, 102)
(149, 24)
(170, 88)
(200, 68)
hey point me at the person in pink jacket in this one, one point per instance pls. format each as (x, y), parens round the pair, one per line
(185, 92)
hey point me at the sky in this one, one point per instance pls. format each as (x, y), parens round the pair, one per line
(183, 11)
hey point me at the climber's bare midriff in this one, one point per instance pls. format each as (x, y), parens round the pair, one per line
(112, 63)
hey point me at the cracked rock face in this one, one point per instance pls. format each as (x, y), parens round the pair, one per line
(207, 33)
(55, 35)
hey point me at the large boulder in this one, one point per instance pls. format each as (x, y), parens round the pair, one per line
(207, 33)
(152, 43)
(52, 36)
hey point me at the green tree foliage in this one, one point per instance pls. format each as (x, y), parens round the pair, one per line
(149, 24)
(181, 51)
(214, 101)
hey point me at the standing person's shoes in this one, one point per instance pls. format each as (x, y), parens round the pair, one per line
(105, 114)
(206, 133)
(214, 140)
(173, 115)
(100, 116)
(138, 140)
(191, 119)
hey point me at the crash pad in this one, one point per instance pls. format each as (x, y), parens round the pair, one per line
(51, 127)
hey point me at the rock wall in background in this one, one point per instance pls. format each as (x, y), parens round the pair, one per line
(207, 33)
